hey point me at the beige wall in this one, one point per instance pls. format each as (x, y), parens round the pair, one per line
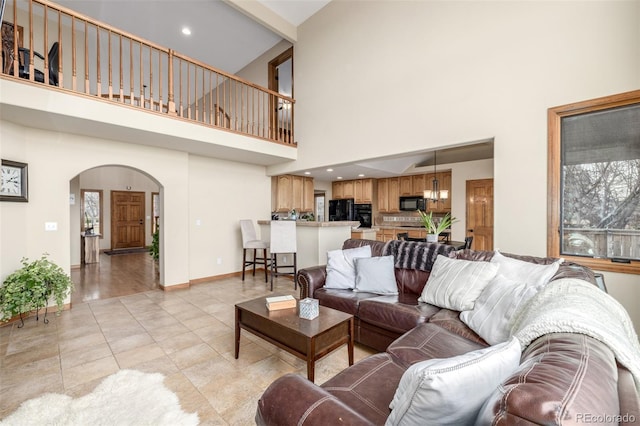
(216, 192)
(382, 78)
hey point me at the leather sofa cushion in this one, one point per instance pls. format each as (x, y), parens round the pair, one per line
(562, 378)
(342, 300)
(368, 386)
(450, 320)
(411, 281)
(428, 341)
(398, 313)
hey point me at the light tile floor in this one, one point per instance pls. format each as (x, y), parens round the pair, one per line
(187, 335)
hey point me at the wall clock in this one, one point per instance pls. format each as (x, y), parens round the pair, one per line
(13, 181)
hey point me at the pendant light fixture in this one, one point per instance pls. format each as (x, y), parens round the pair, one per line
(434, 194)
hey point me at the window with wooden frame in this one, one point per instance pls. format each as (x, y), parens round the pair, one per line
(594, 183)
(91, 211)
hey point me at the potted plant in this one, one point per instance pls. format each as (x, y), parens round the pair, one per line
(435, 226)
(30, 288)
(154, 251)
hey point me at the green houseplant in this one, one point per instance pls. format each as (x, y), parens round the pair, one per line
(435, 226)
(154, 250)
(30, 287)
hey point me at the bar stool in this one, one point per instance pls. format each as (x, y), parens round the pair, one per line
(283, 241)
(250, 241)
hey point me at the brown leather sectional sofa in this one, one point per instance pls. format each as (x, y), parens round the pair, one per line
(563, 378)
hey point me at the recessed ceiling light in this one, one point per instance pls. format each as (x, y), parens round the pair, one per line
(329, 170)
(361, 175)
(339, 177)
(186, 31)
(307, 173)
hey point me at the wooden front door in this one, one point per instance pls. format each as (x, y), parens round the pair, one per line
(480, 213)
(127, 219)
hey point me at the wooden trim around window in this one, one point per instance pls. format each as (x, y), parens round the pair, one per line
(554, 117)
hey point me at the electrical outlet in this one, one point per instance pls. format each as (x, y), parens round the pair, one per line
(219, 261)
(51, 226)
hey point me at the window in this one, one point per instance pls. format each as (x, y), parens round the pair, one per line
(594, 182)
(155, 211)
(91, 211)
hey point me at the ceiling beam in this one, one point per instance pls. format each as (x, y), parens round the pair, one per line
(266, 17)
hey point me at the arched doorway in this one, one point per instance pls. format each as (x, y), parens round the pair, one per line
(113, 207)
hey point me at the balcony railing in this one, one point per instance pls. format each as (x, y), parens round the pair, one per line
(50, 45)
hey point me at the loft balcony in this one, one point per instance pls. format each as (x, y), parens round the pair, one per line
(65, 71)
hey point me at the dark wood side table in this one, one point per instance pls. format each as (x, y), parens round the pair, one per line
(307, 339)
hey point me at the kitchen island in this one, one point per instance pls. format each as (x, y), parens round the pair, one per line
(314, 239)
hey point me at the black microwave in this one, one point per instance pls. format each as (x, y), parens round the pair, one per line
(411, 203)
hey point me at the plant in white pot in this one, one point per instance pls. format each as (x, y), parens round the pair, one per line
(30, 287)
(434, 225)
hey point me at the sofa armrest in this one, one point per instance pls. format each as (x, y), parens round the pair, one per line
(311, 279)
(294, 400)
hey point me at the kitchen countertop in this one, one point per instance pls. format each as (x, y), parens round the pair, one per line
(349, 223)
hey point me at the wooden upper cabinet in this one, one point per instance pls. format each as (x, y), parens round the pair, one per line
(290, 192)
(348, 190)
(406, 186)
(383, 195)
(419, 185)
(337, 189)
(394, 195)
(281, 193)
(389, 195)
(297, 192)
(444, 182)
(364, 191)
(308, 196)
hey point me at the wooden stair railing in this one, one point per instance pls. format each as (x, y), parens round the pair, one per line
(95, 59)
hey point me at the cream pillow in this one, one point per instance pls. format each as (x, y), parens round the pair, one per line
(519, 270)
(376, 275)
(456, 283)
(491, 315)
(451, 391)
(341, 268)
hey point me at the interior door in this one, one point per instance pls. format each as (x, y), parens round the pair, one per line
(127, 219)
(480, 213)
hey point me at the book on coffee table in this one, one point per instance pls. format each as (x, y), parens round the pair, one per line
(280, 302)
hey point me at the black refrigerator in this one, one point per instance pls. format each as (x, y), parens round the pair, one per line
(341, 210)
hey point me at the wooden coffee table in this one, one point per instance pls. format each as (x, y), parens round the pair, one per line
(307, 339)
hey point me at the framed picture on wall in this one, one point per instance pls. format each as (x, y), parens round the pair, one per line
(14, 181)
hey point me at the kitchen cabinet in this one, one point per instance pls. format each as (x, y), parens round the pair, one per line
(394, 195)
(290, 192)
(386, 234)
(364, 191)
(389, 195)
(419, 185)
(444, 182)
(308, 198)
(297, 189)
(348, 190)
(337, 189)
(406, 186)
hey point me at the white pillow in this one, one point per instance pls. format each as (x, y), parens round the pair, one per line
(341, 269)
(491, 315)
(456, 283)
(519, 270)
(451, 391)
(376, 275)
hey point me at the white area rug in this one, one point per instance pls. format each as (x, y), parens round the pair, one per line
(128, 397)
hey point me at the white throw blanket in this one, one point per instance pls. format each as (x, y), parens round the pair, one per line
(576, 306)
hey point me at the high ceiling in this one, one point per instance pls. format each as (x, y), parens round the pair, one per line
(221, 35)
(225, 36)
